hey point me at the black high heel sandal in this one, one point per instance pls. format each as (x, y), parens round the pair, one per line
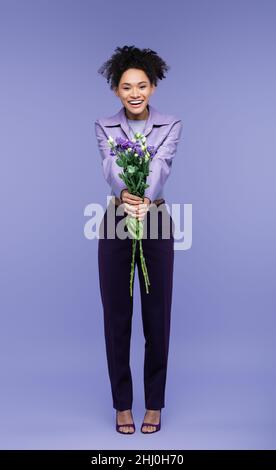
(118, 426)
(157, 426)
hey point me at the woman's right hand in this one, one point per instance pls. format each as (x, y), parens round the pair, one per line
(131, 202)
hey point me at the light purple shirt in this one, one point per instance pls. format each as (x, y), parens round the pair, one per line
(163, 131)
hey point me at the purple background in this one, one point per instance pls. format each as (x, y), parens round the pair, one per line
(55, 391)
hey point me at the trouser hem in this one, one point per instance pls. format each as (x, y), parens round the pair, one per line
(122, 407)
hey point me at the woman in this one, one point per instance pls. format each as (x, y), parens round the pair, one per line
(133, 74)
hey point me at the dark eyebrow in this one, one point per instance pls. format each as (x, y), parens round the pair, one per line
(126, 83)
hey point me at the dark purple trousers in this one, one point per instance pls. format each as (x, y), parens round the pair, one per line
(114, 262)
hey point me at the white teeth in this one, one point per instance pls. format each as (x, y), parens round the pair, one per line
(135, 102)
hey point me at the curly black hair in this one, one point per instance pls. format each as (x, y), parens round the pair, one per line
(132, 57)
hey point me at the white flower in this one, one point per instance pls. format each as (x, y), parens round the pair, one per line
(110, 140)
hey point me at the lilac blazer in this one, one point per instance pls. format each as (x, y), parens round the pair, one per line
(161, 130)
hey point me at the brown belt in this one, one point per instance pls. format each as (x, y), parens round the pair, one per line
(156, 201)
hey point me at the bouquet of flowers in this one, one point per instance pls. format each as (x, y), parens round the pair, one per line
(134, 157)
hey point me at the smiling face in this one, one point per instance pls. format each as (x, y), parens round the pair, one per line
(134, 85)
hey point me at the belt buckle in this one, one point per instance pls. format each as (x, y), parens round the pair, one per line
(157, 202)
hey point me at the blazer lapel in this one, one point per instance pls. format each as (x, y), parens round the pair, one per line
(120, 119)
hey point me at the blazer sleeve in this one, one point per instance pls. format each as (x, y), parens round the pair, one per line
(110, 168)
(160, 165)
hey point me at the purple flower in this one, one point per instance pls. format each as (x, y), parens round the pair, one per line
(152, 151)
(123, 144)
(139, 151)
(120, 140)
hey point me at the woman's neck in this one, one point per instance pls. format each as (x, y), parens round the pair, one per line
(138, 117)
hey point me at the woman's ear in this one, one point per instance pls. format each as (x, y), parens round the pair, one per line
(153, 88)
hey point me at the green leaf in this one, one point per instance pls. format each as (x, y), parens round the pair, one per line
(131, 225)
(131, 169)
(119, 162)
(135, 227)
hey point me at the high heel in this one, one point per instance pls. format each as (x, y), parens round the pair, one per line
(157, 426)
(118, 426)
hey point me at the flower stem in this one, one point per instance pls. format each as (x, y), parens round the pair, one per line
(144, 267)
(134, 241)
